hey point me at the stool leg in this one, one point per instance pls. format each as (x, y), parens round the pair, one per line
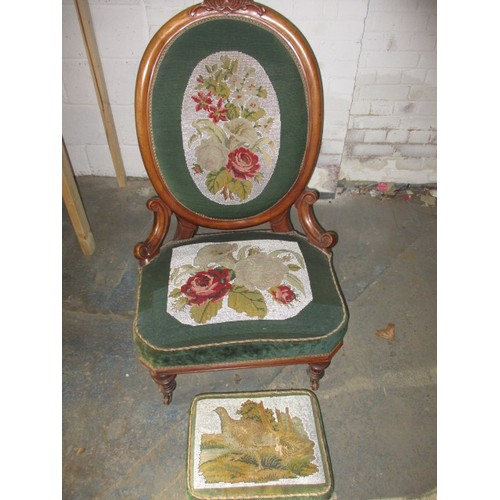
(166, 383)
(316, 372)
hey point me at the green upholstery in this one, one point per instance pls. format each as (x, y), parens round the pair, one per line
(179, 60)
(316, 330)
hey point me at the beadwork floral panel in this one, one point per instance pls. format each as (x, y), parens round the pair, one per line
(236, 281)
(230, 127)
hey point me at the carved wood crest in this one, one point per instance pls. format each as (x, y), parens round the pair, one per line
(227, 7)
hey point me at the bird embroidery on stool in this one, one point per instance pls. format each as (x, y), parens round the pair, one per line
(252, 438)
(257, 447)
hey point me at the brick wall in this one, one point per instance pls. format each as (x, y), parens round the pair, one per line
(377, 59)
(391, 133)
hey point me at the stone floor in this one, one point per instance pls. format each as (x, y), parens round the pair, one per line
(378, 397)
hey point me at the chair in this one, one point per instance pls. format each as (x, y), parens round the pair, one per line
(229, 113)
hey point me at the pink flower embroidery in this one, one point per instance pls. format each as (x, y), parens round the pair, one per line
(218, 113)
(283, 294)
(243, 164)
(203, 101)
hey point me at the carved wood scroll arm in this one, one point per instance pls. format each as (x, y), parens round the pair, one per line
(147, 250)
(227, 6)
(314, 232)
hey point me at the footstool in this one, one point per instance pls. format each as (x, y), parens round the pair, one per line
(267, 444)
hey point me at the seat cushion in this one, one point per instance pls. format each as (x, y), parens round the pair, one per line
(268, 444)
(238, 297)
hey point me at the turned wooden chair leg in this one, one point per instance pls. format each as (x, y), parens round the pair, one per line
(166, 383)
(316, 372)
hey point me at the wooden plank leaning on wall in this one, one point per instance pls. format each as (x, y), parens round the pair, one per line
(84, 17)
(74, 205)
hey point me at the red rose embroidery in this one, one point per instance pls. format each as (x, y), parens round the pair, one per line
(243, 164)
(283, 294)
(212, 285)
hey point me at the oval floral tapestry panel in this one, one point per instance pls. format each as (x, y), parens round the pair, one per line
(237, 281)
(230, 127)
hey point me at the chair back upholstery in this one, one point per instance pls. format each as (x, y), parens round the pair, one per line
(229, 113)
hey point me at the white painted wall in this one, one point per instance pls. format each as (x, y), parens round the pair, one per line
(378, 63)
(392, 129)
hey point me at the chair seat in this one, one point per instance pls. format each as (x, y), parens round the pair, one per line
(237, 298)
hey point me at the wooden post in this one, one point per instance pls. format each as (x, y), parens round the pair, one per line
(74, 205)
(83, 11)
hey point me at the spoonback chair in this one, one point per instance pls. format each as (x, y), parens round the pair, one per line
(229, 113)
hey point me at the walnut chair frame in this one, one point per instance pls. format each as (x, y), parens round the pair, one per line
(167, 203)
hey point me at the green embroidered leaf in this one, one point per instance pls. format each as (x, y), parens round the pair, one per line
(176, 292)
(196, 168)
(181, 303)
(242, 189)
(234, 66)
(264, 141)
(254, 115)
(218, 180)
(233, 111)
(262, 92)
(245, 112)
(294, 281)
(201, 314)
(258, 177)
(297, 255)
(249, 302)
(222, 90)
(267, 159)
(294, 267)
(210, 85)
(208, 68)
